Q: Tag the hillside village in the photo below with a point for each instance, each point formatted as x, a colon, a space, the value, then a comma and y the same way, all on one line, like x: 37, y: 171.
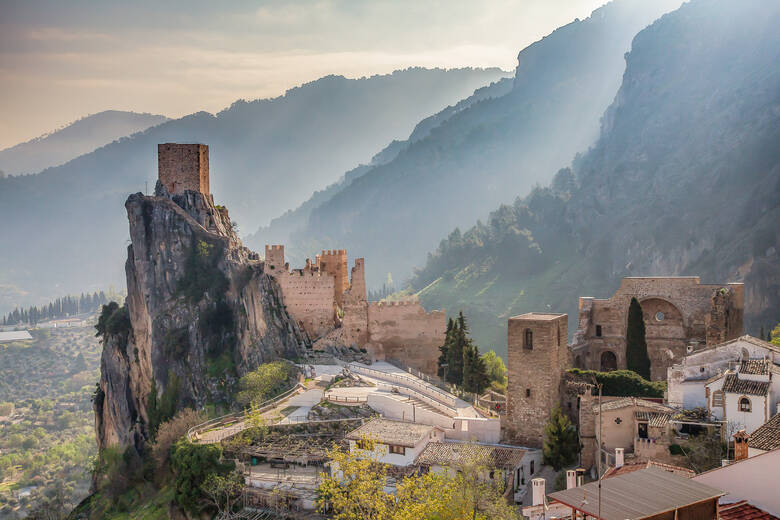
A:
x: 365, y: 377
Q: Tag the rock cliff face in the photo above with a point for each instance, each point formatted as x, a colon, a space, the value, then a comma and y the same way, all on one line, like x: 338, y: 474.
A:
x: 200, y: 312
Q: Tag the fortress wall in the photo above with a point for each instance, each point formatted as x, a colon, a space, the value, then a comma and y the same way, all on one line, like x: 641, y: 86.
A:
x: 405, y: 331
x: 309, y: 299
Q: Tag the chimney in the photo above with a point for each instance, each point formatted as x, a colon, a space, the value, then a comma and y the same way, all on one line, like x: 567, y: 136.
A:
x: 537, y: 486
x: 618, y: 457
x: 741, y: 443
x: 571, y: 478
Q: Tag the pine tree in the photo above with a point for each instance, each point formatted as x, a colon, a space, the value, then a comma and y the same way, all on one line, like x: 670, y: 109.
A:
x: 561, y: 442
x: 637, y: 358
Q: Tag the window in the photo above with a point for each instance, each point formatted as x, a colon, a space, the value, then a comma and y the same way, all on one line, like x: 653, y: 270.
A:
x: 717, y: 398
x: 598, y: 331
x: 528, y: 392
x: 398, y: 450
x: 362, y: 445
x: 744, y: 404
x: 659, y: 316
x: 529, y: 339
x: 642, y: 430
x: 559, y: 336
x: 531, y: 469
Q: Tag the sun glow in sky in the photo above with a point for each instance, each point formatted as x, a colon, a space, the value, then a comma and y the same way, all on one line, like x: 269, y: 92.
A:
x: 61, y: 60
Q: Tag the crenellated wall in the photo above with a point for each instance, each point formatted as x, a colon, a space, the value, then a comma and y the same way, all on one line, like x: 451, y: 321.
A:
x: 333, y: 309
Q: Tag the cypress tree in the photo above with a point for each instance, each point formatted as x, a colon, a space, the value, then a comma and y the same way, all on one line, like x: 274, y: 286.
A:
x: 637, y: 359
x: 456, y: 351
x: 444, y: 349
x: 475, y: 377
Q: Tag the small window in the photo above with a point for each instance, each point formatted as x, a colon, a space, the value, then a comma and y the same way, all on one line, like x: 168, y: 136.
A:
x: 529, y: 339
x: 361, y: 444
x: 659, y: 316
x: 559, y: 336
x: 532, y: 467
x: 398, y: 450
x: 598, y: 331
x: 528, y: 392
x: 744, y: 404
x: 717, y: 398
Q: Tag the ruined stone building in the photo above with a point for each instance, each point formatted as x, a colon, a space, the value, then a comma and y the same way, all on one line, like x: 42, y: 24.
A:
x: 681, y: 316
x: 332, y: 307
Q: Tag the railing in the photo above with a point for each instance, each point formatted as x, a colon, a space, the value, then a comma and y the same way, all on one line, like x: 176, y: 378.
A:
x: 233, y: 423
x: 409, y: 382
x: 345, y: 399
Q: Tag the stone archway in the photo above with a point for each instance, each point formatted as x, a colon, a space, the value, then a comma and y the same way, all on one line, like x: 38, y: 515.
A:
x: 608, y: 361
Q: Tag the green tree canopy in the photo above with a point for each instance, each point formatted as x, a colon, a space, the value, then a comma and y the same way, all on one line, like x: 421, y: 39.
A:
x: 561, y: 442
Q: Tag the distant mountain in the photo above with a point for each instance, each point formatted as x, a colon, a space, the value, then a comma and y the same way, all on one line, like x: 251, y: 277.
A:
x: 486, y: 154
x: 266, y: 156
x: 684, y: 180
x: 282, y: 228
x: 77, y: 138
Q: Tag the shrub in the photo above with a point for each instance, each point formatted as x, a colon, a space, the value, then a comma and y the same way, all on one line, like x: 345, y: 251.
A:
x: 169, y: 432
x: 162, y: 409
x: 676, y: 449
x: 192, y: 464
x: 114, y: 321
x: 268, y: 380
x: 561, y: 444
x: 622, y: 383
x: 202, y: 274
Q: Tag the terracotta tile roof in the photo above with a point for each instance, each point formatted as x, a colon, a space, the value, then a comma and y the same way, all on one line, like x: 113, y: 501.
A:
x: 754, y: 366
x: 492, y: 456
x: 767, y: 437
x: 635, y: 466
x: 743, y: 511
x: 398, y: 433
x: 657, y: 419
x: 734, y: 385
x: 624, y: 402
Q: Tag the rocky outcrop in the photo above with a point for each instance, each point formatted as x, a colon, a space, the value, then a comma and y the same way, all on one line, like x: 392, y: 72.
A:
x: 201, y: 310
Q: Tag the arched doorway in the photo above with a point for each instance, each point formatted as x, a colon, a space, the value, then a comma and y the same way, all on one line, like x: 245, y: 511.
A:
x: 608, y: 361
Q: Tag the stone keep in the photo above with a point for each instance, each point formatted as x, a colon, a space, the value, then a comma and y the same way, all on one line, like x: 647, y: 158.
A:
x: 183, y: 167
x: 538, y: 356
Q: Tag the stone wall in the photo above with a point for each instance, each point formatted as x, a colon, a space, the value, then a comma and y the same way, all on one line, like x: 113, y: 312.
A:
x: 537, y: 356
x: 183, y: 167
x: 680, y: 314
x: 333, y: 309
x: 406, y: 332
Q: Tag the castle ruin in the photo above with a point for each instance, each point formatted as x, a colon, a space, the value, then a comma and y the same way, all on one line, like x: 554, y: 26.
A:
x: 681, y: 316
x: 333, y: 309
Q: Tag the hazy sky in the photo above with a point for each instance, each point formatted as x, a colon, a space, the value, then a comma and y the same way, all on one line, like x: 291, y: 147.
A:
x: 61, y: 60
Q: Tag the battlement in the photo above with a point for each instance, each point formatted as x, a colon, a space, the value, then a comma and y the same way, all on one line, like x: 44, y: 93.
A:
x: 183, y: 167
x: 274, y: 256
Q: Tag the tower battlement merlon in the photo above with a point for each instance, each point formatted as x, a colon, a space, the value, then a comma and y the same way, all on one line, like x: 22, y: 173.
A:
x: 183, y: 167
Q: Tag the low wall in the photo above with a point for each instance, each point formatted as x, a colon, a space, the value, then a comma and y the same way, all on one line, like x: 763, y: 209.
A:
x: 427, y: 389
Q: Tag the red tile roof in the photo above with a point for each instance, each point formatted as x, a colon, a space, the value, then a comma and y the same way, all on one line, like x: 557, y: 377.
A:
x: 635, y: 466
x: 743, y: 511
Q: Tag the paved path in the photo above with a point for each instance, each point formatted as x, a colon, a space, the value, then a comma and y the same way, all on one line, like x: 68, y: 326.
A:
x: 305, y: 402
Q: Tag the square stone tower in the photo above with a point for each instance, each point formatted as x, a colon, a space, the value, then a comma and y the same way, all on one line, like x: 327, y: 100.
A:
x: 334, y: 262
x: 537, y: 356
x: 183, y: 167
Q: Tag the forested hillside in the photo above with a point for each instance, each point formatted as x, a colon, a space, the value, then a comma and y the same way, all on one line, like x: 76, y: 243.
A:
x: 75, y: 139
x: 488, y: 153
x: 684, y: 180
x: 266, y: 156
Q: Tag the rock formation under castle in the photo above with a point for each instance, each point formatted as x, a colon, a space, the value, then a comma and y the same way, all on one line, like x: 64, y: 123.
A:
x: 330, y: 303
x: 681, y: 316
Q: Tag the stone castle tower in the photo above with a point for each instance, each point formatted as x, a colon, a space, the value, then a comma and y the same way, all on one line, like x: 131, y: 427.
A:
x: 334, y: 262
x: 537, y: 358
x: 183, y: 167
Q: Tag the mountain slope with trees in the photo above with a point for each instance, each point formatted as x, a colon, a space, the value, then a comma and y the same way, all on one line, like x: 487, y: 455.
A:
x: 266, y: 156
x: 77, y: 138
x: 684, y: 180
x: 487, y: 154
